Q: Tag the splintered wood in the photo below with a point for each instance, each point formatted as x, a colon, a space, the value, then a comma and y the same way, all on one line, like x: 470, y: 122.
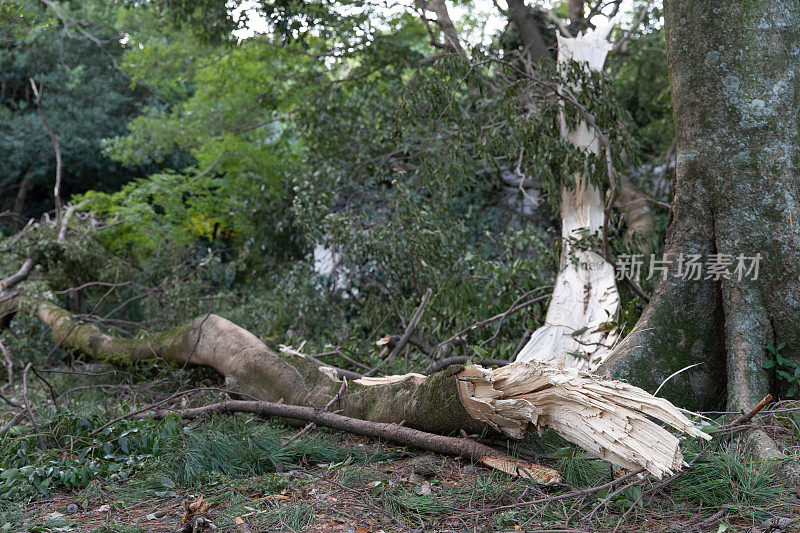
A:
x: 609, y: 419
x: 579, y: 327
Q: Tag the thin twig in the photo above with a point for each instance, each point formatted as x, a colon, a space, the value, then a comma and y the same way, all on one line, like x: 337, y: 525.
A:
x: 27, y: 403
x: 311, y: 425
x: 744, y: 419
x: 412, y: 326
x: 159, y: 403
x: 9, y: 366
x: 489, y: 320
x: 564, y: 496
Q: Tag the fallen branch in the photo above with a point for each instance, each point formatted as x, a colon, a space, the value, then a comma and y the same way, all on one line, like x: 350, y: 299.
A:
x: 564, y: 496
x: 441, y: 364
x: 461, y: 447
x: 392, y: 340
x: 19, y: 276
x: 27, y: 404
x: 11, y: 422
x: 133, y: 414
x: 412, y: 326
x: 744, y: 419
x: 311, y: 425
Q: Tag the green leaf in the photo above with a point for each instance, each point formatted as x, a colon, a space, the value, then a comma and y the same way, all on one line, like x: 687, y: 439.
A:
x: 791, y: 392
x: 769, y: 364
x: 10, y: 473
x: 480, y: 351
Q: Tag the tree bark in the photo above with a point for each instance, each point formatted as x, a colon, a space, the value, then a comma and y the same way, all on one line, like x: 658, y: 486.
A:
x: 575, y: 14
x: 532, y: 39
x: 736, y: 93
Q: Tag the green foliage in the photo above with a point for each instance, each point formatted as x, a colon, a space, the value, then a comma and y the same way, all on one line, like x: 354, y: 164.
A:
x: 785, y: 369
x: 333, y: 129
x: 729, y: 478
x: 642, y: 84
x: 84, y: 99
x: 164, y: 454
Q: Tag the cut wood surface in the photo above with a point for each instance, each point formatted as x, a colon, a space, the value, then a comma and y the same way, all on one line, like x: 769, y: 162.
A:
x: 609, y: 419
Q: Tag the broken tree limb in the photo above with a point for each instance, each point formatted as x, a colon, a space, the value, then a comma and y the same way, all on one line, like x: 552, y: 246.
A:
x: 462, y: 447
x: 17, y: 277
x: 412, y: 326
x: 578, y: 327
x: 609, y: 419
x: 340, y: 372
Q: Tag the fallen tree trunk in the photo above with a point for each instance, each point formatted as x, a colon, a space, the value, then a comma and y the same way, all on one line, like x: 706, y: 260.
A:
x: 609, y: 419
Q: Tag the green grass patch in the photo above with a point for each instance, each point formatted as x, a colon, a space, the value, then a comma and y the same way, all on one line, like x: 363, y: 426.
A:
x: 729, y: 478
x: 162, y: 454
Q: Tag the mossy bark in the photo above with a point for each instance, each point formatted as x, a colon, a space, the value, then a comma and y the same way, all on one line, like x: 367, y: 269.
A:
x: 735, y: 76
x: 432, y: 404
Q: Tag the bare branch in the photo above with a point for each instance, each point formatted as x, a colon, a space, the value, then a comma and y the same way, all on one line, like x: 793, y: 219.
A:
x: 37, y: 91
x: 18, y: 277
x: 557, y: 21
x: 27, y: 403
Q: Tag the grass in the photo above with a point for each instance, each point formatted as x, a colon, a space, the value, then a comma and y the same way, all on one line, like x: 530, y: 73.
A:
x: 581, y: 472
x: 729, y: 478
x: 241, y: 463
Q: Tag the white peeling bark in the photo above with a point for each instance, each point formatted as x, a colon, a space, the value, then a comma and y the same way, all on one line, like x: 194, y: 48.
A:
x: 578, y: 329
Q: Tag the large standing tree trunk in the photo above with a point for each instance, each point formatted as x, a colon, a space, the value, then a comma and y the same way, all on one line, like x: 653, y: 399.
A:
x: 735, y: 75
x: 735, y: 83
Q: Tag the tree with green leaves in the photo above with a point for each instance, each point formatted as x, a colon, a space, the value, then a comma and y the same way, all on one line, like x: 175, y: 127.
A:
x: 385, y: 135
x: 84, y: 99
